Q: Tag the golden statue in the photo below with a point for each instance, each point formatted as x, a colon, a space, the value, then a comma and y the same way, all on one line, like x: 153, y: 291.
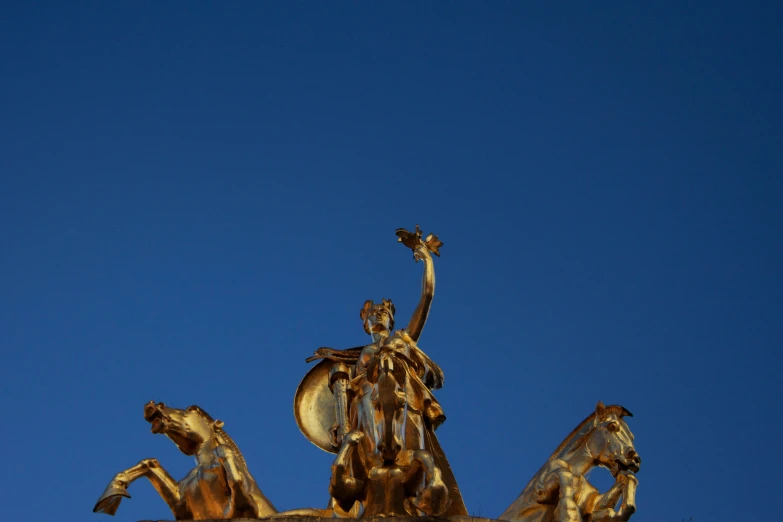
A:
x: 219, y: 487
x: 560, y: 490
x: 373, y: 469
x: 335, y: 397
x: 374, y: 407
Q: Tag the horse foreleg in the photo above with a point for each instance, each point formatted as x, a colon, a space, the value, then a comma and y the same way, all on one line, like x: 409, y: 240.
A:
x: 603, y: 511
x: 628, y: 507
x: 348, y: 476
x: 247, y: 497
x: 433, y: 497
x: 163, y: 483
x: 625, y: 488
x: 242, y: 503
x: 565, y: 483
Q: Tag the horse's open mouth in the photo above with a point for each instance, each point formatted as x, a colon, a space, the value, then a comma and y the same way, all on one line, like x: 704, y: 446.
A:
x: 622, y: 466
x: 158, y: 422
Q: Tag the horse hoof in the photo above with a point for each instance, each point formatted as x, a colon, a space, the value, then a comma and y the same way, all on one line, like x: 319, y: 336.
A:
x: 110, y: 500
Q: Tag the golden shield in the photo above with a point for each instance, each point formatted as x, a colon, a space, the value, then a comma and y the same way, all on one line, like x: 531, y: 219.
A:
x: 314, y: 406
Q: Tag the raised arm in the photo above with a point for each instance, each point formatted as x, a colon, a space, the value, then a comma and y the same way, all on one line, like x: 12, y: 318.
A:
x: 422, y: 249
x: 419, y: 318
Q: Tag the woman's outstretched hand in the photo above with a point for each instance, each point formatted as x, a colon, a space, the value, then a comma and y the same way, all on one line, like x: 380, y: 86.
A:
x: 421, y: 247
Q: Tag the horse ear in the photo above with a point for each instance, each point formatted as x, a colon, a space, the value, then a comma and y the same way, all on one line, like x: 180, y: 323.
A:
x: 600, y: 409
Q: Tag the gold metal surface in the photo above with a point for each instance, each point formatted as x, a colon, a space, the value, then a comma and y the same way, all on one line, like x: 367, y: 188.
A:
x: 339, y: 376
x: 560, y: 490
x: 315, y: 407
x: 374, y: 471
x: 219, y: 487
x: 318, y: 413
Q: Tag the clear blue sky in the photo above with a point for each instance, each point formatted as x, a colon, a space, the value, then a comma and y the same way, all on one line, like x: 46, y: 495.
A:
x: 196, y: 196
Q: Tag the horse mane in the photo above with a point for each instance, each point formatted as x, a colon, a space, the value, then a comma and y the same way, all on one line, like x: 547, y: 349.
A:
x: 223, y: 437
x: 613, y: 409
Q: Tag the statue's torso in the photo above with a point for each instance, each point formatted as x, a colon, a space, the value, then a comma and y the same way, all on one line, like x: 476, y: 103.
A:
x: 418, y: 396
x: 421, y: 401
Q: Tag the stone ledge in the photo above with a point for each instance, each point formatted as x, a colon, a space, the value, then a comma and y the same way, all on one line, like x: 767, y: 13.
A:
x: 300, y: 518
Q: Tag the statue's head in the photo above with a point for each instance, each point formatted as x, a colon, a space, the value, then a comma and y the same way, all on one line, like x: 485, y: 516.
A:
x: 378, y: 317
x: 612, y: 441
x: 188, y: 429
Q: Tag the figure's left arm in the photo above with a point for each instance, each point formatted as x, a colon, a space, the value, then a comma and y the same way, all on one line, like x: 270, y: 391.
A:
x: 423, y: 248
x: 419, y: 318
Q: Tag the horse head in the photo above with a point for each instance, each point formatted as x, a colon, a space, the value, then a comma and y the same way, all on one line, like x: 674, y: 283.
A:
x: 388, y: 375
x: 189, y: 429
x: 611, y: 441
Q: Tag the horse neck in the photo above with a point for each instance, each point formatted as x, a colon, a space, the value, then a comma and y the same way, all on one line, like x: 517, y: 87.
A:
x: 579, y: 459
x: 575, y: 449
x: 205, y: 454
x: 223, y: 438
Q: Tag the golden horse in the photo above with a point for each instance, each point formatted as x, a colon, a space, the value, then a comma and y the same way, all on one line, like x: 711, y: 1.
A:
x: 560, y: 490
x: 375, y: 474
x: 219, y: 487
